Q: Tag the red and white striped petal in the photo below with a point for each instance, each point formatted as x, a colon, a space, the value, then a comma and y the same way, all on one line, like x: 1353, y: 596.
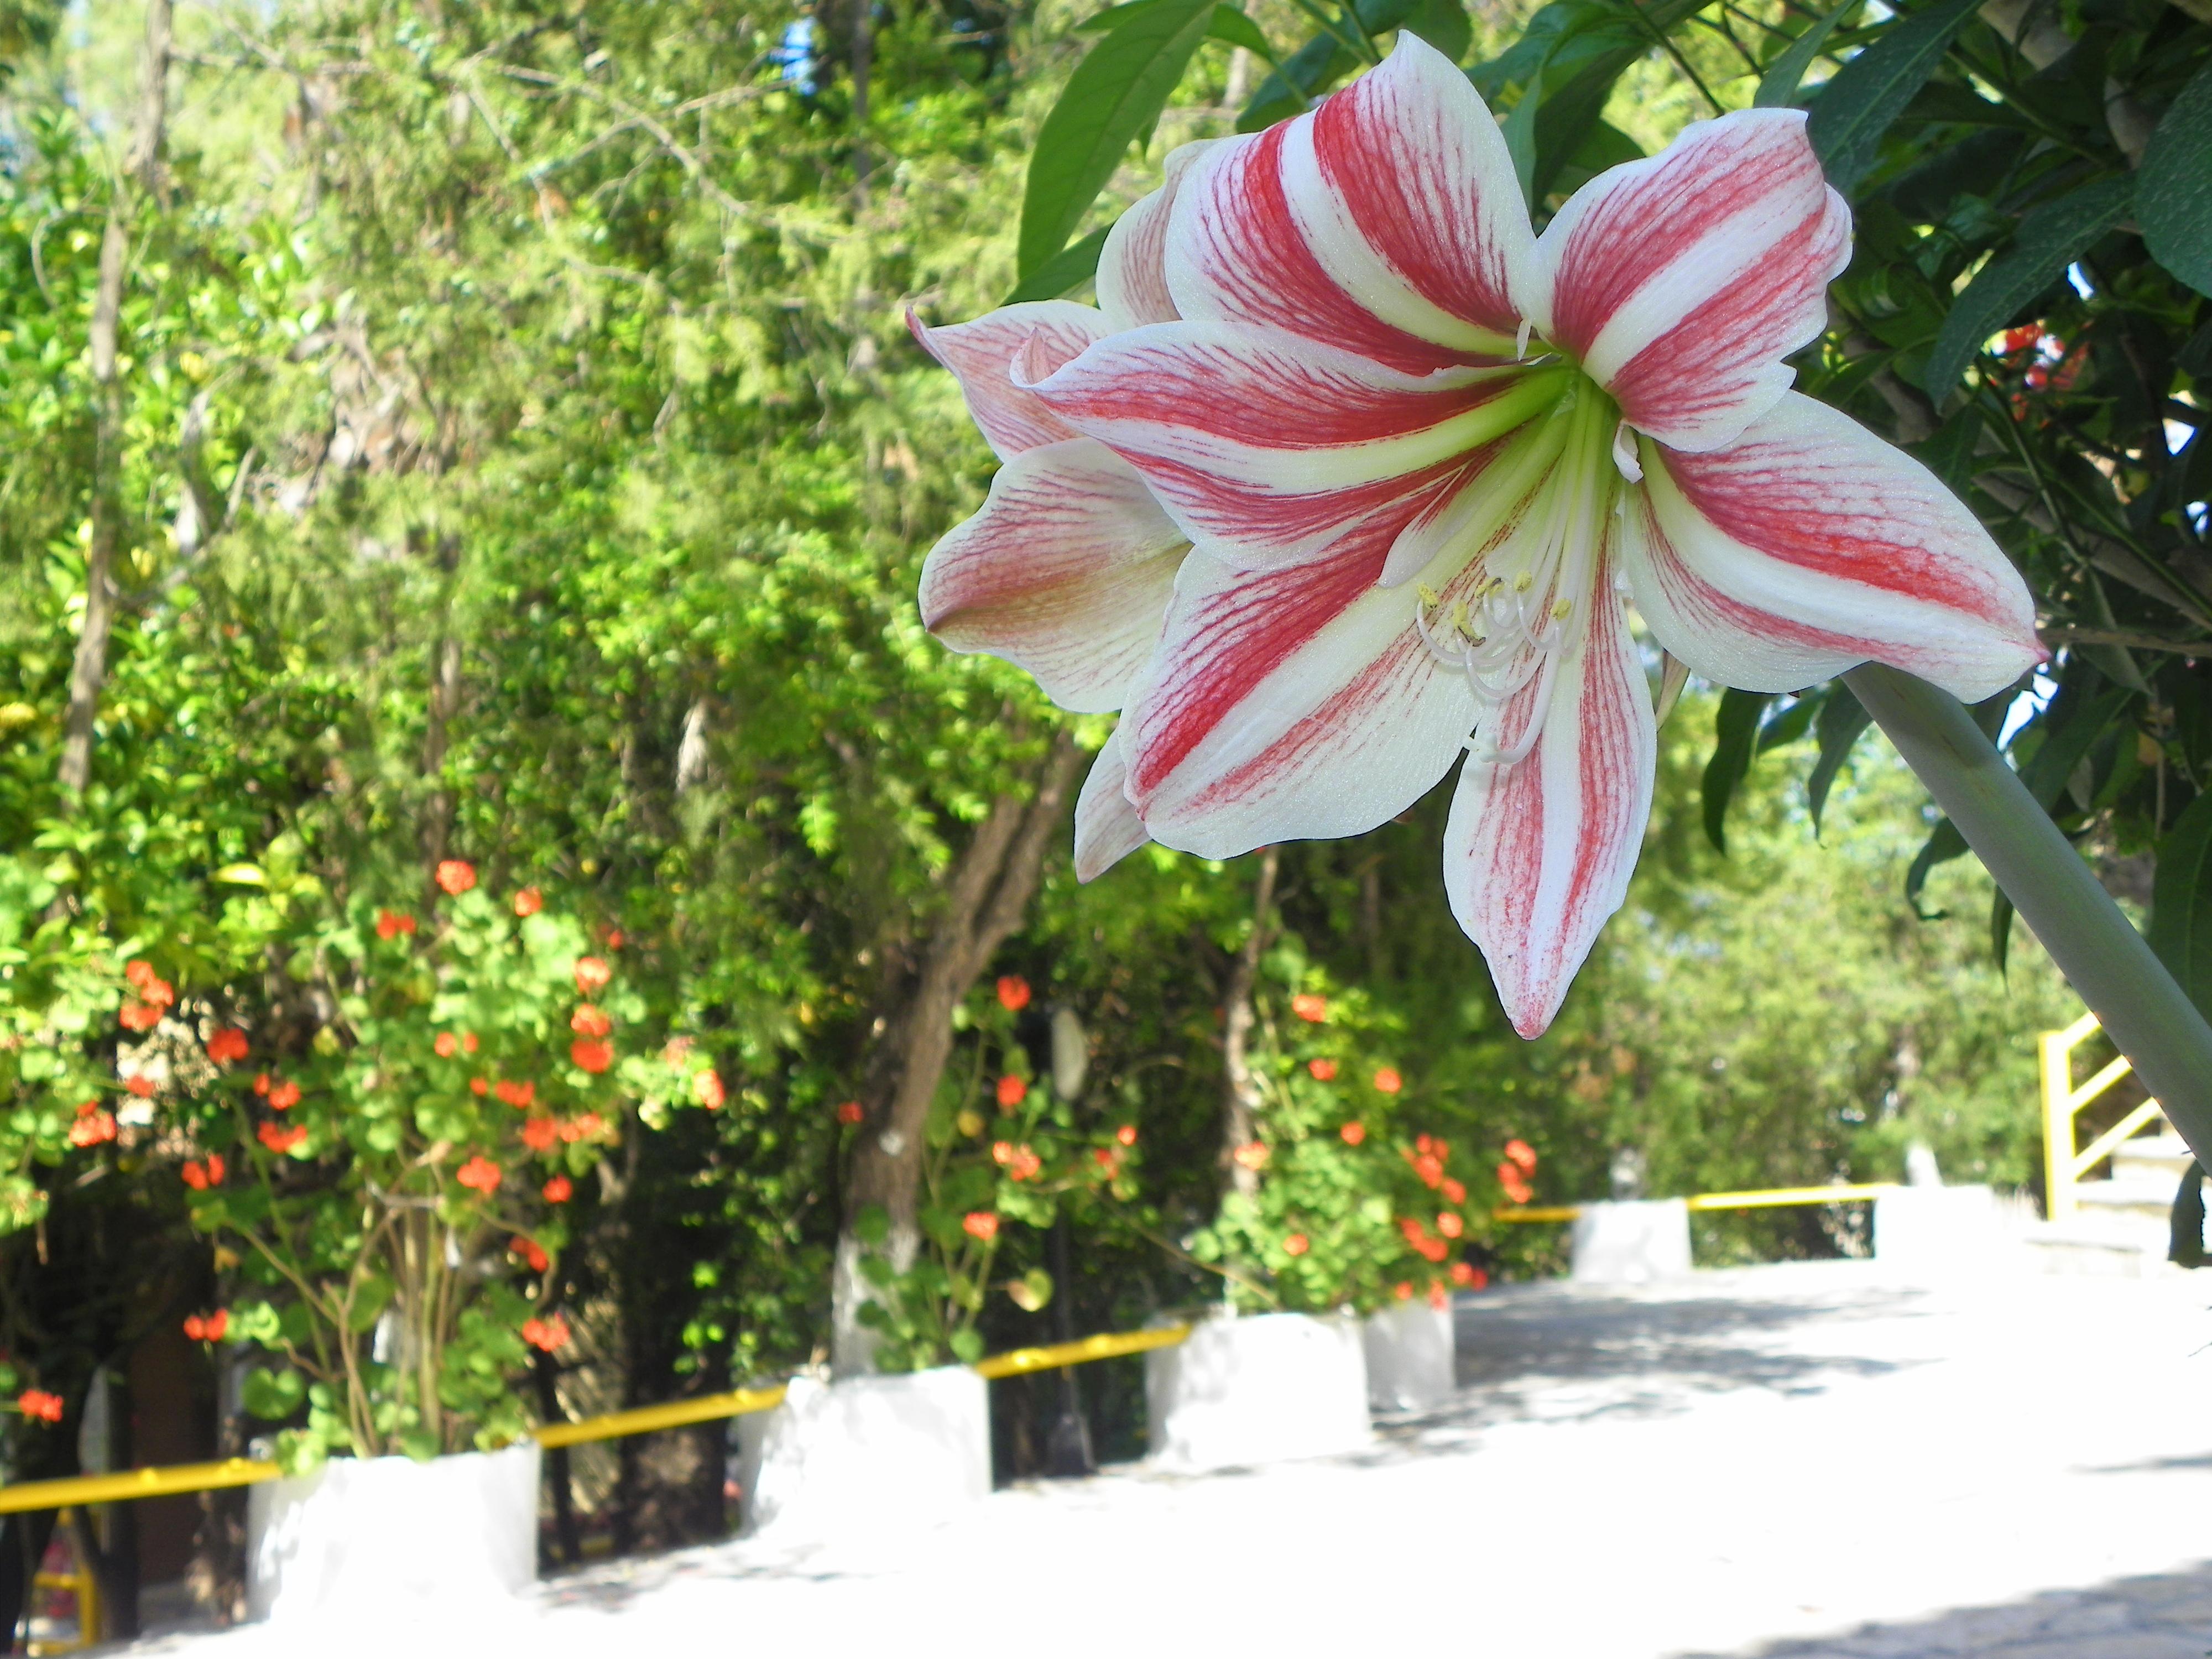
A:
x: 1285, y: 705
x: 1270, y: 450
x: 1681, y: 282
x: 1067, y: 571
x: 1809, y: 546
x: 1107, y: 828
x: 1538, y: 853
x: 1132, y: 276
x: 981, y: 356
x: 1387, y: 222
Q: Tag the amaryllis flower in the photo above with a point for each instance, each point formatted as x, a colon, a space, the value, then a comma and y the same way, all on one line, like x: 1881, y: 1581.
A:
x: 1426, y: 458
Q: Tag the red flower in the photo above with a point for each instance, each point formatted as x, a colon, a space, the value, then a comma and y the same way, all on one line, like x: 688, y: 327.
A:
x: 1515, y: 1188
x: 592, y: 975
x: 208, y: 1328
x: 1018, y: 1161
x: 278, y: 1139
x: 214, y: 1168
x: 1389, y: 1081
x: 141, y: 976
x: 517, y: 1094
x: 547, y: 1334
x: 226, y: 1045
x: 467, y: 1042
x: 539, y: 1133
x: 140, y: 1085
x: 1296, y: 1244
x: 981, y: 1224
x: 1127, y: 1135
x: 479, y: 1086
x: 391, y: 924
x: 613, y: 937
x: 140, y: 1015
x: 531, y: 1251
x: 707, y: 1087
x: 1107, y: 1159
x: 38, y: 1404
x: 559, y: 1189
x: 92, y: 1126
x: 1453, y: 1192
x: 1467, y: 1276
x: 1520, y: 1152
x: 1353, y: 1133
x: 283, y: 1096
x: 1324, y: 1071
x: 445, y: 1045
x: 582, y: 1128
x: 1311, y: 1008
x: 261, y: 1083
x: 849, y: 1112
x: 1450, y: 1224
x: 1011, y: 1093
x: 481, y: 1173
x: 1253, y: 1155
x: 588, y: 1021
x: 194, y: 1176
x: 1431, y: 1168
x: 594, y: 1057
x: 1014, y: 993
x: 456, y: 877
x: 1434, y: 1248
x: 529, y: 901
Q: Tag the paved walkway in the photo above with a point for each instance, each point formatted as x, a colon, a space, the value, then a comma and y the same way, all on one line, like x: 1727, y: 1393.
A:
x: 1807, y: 1461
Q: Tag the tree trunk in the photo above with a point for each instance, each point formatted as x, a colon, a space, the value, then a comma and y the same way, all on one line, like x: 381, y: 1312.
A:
x: 988, y: 891
x: 88, y: 671
x: 445, y: 703
x: 1240, y: 1095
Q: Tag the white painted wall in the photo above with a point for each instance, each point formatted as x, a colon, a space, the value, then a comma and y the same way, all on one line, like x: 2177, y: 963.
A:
x: 1412, y: 1356
x: 865, y: 1453
x: 1642, y: 1241
x: 1258, y: 1389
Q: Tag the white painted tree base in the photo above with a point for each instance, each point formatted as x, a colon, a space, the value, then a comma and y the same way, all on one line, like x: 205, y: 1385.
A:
x: 1939, y: 1229
x: 866, y: 1454
x: 1255, y: 1390
x: 377, y: 1538
x: 1642, y: 1241
x: 1412, y: 1356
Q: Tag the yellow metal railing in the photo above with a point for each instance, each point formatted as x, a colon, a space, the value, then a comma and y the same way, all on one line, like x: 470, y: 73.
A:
x: 79, y: 1583
x: 2063, y: 1166
x: 1765, y: 1198
x: 646, y: 1420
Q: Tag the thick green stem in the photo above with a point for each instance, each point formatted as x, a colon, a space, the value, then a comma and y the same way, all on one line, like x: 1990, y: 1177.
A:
x: 2097, y: 948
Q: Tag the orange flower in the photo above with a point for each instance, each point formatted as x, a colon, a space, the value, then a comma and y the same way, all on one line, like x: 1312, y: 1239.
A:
x: 1011, y: 1093
x: 582, y: 1128
x: 1522, y: 1154
x: 150, y: 985
x: 1450, y: 1224
x: 194, y: 1176
x: 1515, y: 1188
x: 707, y: 1089
x: 456, y: 877
x: 531, y: 1251
x: 478, y: 1085
x: 1434, y: 1248
x: 226, y: 1045
x: 1431, y: 1168
x: 1297, y: 1244
x: 547, y: 1334
x: 1353, y: 1133
x: 1439, y: 1298
x: 1324, y: 1071
x: 261, y: 1083
x: 1403, y: 1291
x: 38, y: 1404
x: 283, y: 1096
x: 140, y: 1015
x: 1107, y: 1159
x: 529, y: 901
x: 467, y: 1042
x: 539, y: 1133
x: 445, y: 1045
x: 594, y: 1057
x: 1014, y: 994
x: 141, y: 975
x: 391, y: 924
x: 214, y: 1168
x: 588, y: 1021
x: 981, y: 1224
x: 1389, y: 1081
x: 1454, y: 1193
x: 1311, y: 1008
x: 559, y: 1190
x: 1252, y: 1155
x: 849, y: 1112
x: 1127, y: 1135
x: 592, y: 975
x: 140, y: 1084
x: 207, y: 1327
x: 1467, y: 1276
x: 613, y: 938
x: 481, y: 1173
x: 1413, y: 1230
x: 92, y: 1126
x: 1018, y: 1161
x: 278, y: 1139
x: 517, y: 1094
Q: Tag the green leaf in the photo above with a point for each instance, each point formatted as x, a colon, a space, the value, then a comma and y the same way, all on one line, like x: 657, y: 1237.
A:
x: 2050, y: 239
x: 872, y: 1226
x: 272, y: 1395
x: 1444, y: 25
x: 1735, y: 732
x: 1117, y: 92
x: 2000, y: 928
x: 1856, y: 107
x: 1072, y: 266
x: 1943, y: 844
x: 1114, y: 16
x: 1778, y: 88
x: 2174, y: 200
x: 1286, y: 92
x: 241, y: 875
x: 1233, y: 25
x: 2181, y: 902
x: 966, y: 1346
